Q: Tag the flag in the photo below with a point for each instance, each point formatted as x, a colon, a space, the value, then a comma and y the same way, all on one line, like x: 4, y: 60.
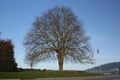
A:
x: 98, y: 51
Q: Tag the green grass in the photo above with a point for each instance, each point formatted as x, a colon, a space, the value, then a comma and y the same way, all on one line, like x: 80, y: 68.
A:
x: 37, y: 74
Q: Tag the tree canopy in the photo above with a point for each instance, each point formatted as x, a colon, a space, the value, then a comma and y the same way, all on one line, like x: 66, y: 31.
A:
x: 58, y: 34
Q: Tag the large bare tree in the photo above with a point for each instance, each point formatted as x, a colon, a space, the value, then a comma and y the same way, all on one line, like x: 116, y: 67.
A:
x: 57, y: 34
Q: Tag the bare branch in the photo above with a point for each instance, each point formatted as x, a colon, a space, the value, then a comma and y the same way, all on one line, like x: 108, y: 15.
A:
x: 58, y: 32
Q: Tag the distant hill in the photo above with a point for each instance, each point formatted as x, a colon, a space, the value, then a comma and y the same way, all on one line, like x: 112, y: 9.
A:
x: 106, y: 67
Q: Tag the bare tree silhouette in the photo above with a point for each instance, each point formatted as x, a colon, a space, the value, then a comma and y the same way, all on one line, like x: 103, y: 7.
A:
x: 58, y: 34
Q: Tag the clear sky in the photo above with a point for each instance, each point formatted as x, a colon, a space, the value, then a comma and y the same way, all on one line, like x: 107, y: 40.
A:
x: 101, y: 19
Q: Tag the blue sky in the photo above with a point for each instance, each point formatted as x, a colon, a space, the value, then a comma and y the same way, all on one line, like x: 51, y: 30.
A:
x: 101, y: 19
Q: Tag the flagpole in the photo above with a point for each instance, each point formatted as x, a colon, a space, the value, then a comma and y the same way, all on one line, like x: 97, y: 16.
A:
x: 92, y: 58
x: 98, y: 52
x: 100, y: 69
x: 0, y: 35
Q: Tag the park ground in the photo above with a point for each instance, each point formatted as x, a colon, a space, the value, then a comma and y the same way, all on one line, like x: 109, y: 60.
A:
x: 44, y: 74
x: 110, y: 77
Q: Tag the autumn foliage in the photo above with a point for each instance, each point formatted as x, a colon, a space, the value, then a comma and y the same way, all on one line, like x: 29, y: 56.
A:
x: 7, y: 60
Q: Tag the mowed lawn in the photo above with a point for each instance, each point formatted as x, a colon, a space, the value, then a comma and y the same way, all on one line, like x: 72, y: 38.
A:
x: 40, y: 74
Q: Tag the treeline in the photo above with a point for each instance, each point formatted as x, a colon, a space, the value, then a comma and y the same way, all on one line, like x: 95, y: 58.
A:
x: 46, y: 70
x: 28, y: 69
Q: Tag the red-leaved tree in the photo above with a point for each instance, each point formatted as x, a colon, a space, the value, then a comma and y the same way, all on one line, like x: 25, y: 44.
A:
x: 7, y: 60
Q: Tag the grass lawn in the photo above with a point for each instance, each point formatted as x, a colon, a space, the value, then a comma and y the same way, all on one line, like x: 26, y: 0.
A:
x: 39, y: 74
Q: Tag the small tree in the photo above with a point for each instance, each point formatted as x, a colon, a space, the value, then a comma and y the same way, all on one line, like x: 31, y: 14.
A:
x: 58, y: 34
x: 31, y: 60
x: 7, y: 60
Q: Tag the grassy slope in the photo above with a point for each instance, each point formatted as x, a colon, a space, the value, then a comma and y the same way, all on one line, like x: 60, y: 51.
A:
x: 35, y: 74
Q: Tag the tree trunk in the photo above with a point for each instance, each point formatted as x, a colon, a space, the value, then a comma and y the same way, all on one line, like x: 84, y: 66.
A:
x: 60, y: 61
x: 31, y: 64
x: 60, y: 65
